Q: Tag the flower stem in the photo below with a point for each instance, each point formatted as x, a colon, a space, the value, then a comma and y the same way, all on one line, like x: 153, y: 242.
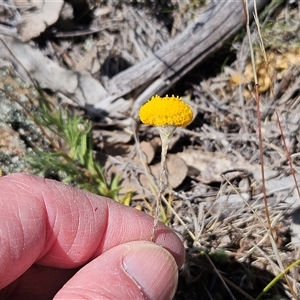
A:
x: 166, y: 133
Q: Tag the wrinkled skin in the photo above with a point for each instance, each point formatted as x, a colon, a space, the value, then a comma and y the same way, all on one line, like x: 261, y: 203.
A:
x: 63, y: 243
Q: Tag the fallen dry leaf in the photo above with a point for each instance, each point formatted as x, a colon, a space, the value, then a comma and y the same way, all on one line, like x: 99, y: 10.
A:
x: 116, y: 137
x: 238, y: 79
x: 177, y: 170
x: 212, y: 164
x: 277, y: 66
x: 148, y: 149
x: 89, y: 63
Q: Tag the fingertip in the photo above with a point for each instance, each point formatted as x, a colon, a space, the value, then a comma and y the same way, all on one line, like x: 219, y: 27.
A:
x: 153, y: 269
x: 170, y: 241
x: 135, y: 270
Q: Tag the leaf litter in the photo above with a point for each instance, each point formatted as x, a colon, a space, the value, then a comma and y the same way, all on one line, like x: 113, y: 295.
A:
x: 213, y: 165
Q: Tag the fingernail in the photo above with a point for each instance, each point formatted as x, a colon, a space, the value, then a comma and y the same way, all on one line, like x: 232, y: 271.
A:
x: 153, y: 269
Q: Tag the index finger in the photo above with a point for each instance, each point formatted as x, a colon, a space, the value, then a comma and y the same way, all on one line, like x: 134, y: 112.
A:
x: 55, y: 225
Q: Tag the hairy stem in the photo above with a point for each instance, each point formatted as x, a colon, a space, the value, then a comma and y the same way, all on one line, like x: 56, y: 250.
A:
x: 166, y: 133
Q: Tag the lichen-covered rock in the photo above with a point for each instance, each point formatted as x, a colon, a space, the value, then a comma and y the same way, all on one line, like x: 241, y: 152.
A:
x: 18, y: 132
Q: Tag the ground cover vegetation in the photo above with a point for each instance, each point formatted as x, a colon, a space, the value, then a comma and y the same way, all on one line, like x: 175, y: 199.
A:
x: 233, y: 172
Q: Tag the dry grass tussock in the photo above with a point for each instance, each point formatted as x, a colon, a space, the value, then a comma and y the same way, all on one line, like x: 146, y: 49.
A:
x: 228, y: 217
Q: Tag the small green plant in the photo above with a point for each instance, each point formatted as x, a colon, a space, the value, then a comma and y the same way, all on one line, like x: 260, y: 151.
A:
x: 73, y: 159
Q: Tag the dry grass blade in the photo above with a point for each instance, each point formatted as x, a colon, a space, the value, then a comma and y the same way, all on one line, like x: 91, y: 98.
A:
x: 275, y: 249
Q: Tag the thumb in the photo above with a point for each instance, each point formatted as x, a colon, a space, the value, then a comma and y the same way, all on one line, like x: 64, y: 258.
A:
x: 135, y: 270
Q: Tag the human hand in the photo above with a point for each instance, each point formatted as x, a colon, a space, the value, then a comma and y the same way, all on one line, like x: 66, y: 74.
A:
x: 63, y: 243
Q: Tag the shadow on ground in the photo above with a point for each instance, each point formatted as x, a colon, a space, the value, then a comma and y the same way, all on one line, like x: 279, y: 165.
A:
x: 198, y: 279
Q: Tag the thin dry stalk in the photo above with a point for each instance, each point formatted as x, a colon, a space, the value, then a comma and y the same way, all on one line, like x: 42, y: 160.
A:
x: 257, y: 98
x: 258, y: 118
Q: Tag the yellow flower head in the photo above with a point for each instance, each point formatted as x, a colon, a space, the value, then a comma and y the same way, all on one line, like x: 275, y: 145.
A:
x: 165, y: 111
